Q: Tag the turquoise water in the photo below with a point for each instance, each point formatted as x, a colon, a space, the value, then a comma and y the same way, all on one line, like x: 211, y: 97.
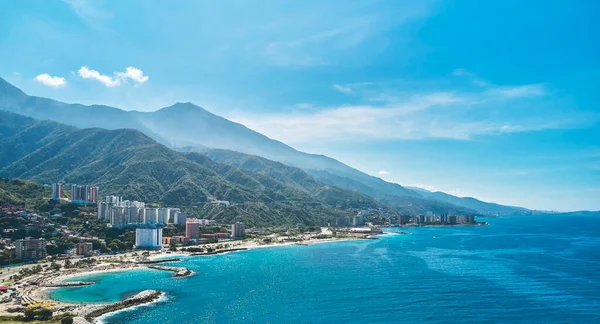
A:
x: 518, y: 270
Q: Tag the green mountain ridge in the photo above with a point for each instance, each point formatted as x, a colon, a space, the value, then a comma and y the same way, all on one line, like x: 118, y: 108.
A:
x: 129, y: 163
x: 185, y: 124
x: 292, y: 175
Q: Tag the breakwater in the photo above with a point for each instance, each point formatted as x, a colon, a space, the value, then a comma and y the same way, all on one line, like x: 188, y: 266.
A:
x: 68, y: 284
x: 177, y: 272
x: 144, y: 297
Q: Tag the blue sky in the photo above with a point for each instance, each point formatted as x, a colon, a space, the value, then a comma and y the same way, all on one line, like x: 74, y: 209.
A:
x: 492, y: 99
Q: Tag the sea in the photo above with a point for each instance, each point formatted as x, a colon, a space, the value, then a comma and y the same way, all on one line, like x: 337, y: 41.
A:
x: 534, y: 269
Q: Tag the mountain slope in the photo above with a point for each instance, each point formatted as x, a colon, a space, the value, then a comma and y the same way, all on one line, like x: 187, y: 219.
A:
x: 475, y: 204
x: 185, y: 124
x: 312, y: 182
x: 130, y: 164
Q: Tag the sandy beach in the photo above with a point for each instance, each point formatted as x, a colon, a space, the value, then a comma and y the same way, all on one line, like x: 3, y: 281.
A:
x: 37, y: 292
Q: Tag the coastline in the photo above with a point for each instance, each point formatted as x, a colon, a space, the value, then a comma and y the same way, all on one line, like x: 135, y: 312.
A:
x: 81, y: 310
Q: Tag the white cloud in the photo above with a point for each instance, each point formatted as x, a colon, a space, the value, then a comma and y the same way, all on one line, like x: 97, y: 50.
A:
x: 342, y: 89
x: 136, y: 75
x: 395, y: 114
x: 90, y: 12
x: 51, y: 81
x: 471, y: 76
x: 383, y: 172
x: 86, y: 73
x: 528, y: 90
x: 131, y: 73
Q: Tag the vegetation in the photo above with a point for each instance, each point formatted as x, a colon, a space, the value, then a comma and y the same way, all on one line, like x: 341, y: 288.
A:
x: 22, y: 192
x: 130, y: 164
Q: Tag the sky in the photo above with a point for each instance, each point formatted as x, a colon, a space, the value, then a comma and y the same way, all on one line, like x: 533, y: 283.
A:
x: 497, y: 100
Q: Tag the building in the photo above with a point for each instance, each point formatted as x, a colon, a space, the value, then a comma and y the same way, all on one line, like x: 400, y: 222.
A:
x: 82, y: 195
x: 84, y: 248
x: 342, y: 221
x: 172, y: 212
x: 148, y: 237
x: 175, y: 240
x: 118, y: 216
x: 192, y: 228
x: 163, y: 216
x: 93, y: 195
x: 358, y: 220
x: 403, y: 219
x: 238, y: 231
x: 179, y: 218
x: 56, y: 191
x: 30, y: 249
x: 151, y: 216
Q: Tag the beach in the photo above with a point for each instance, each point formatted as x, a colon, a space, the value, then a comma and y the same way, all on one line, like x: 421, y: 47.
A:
x: 36, y: 290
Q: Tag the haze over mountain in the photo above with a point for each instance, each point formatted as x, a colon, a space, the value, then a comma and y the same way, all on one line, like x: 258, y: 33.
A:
x: 185, y: 124
x: 128, y: 163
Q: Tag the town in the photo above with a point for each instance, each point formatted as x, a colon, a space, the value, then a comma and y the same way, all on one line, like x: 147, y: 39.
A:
x: 146, y: 225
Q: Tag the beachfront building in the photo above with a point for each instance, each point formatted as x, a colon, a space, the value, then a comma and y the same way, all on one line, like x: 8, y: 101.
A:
x: 163, y: 216
x: 358, y: 220
x: 84, y: 248
x: 30, y: 249
x: 148, y: 237
x: 192, y: 228
x: 118, y: 217
x: 179, y: 218
x: 151, y: 216
x: 56, y: 191
x: 172, y: 212
x: 168, y: 240
x: 238, y: 231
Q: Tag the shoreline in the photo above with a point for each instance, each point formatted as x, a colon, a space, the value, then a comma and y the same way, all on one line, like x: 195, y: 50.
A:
x: 81, y: 310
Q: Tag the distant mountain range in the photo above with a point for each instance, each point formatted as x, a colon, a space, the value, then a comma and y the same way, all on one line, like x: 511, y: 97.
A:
x: 194, y: 129
x: 128, y: 163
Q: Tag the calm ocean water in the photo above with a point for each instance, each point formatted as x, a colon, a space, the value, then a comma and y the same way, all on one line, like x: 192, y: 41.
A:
x: 518, y: 270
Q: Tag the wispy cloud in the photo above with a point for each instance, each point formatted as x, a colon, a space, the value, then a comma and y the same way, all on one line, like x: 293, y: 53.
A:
x: 528, y: 90
x: 383, y: 172
x: 90, y: 12
x: 457, y: 115
x: 471, y: 76
x: 325, y: 34
x: 51, y: 81
x: 342, y: 89
x: 135, y: 75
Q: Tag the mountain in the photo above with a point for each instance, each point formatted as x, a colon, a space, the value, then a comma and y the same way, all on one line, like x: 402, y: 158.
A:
x: 483, y: 207
x: 16, y: 101
x: 185, y: 124
x: 306, y: 180
x: 129, y: 163
x: 17, y: 191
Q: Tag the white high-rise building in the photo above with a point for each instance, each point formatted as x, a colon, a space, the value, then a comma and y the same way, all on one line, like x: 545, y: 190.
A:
x: 118, y: 217
x: 56, y: 191
x: 172, y: 215
x: 163, y: 216
x: 179, y: 218
x: 151, y: 216
x: 148, y: 237
x: 238, y: 231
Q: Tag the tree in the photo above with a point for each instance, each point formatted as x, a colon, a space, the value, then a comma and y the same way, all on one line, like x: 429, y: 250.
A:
x: 44, y: 314
x: 66, y: 320
x: 172, y: 246
x: 29, y: 314
x: 55, y: 266
x: 68, y: 264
